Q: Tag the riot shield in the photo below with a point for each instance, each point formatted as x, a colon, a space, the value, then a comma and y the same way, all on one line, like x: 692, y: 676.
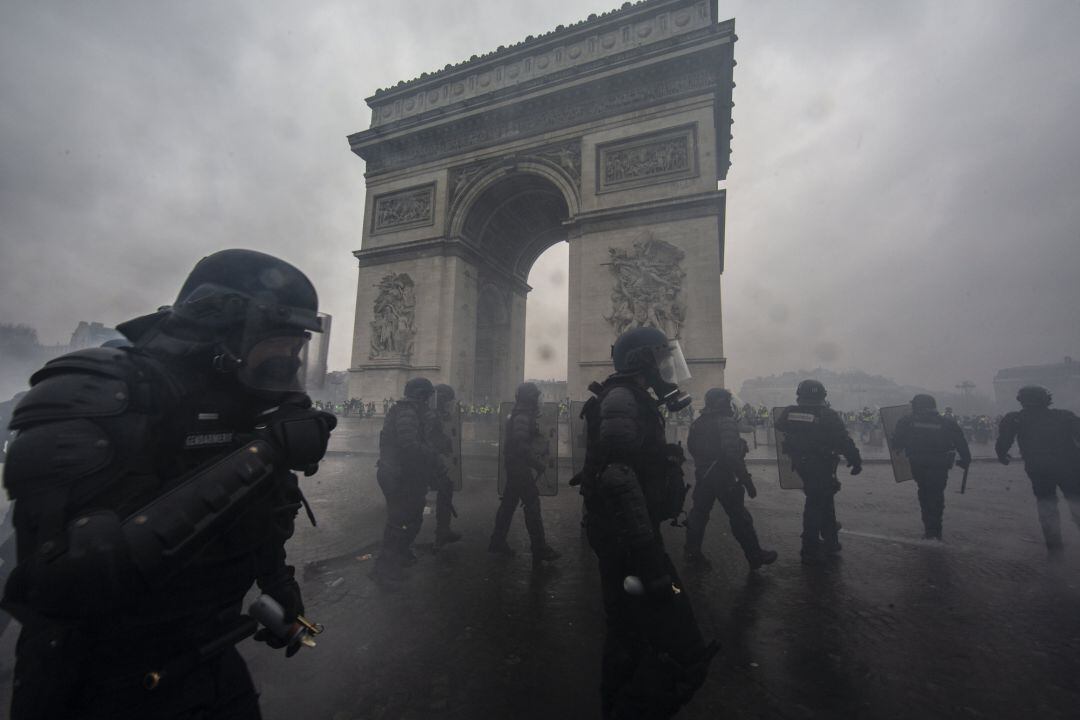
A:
x: 577, y: 437
x: 901, y: 466
x: 545, y: 445
x: 789, y: 479
x: 452, y: 428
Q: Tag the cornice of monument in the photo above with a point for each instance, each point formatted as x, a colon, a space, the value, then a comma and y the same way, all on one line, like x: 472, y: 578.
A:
x: 433, y: 247
x: 634, y: 25
x: 587, y: 100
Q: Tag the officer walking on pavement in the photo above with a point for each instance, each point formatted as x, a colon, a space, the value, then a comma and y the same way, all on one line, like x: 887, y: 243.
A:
x: 523, y: 466
x: 931, y: 442
x: 654, y: 658
x: 152, y: 488
x: 440, y: 433
x: 720, y: 473
x: 1049, y: 441
x: 407, y: 466
x: 815, y: 438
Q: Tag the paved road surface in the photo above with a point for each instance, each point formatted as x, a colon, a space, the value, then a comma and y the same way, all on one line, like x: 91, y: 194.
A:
x: 979, y: 626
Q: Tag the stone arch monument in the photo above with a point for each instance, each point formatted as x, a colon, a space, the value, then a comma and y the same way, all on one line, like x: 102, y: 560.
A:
x: 611, y: 135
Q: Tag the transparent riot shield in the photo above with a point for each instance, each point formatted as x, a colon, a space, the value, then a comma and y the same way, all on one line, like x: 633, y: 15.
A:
x: 452, y: 428
x: 789, y: 479
x: 577, y: 437
x: 545, y: 445
x: 901, y: 466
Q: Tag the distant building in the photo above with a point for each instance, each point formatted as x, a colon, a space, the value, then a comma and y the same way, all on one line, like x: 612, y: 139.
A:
x: 850, y: 390
x: 551, y: 390
x: 854, y: 390
x: 1061, y: 379
x: 91, y: 334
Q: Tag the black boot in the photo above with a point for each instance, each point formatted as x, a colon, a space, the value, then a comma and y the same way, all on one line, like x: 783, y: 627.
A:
x: 762, y: 557
x: 445, y: 536
x: 696, y: 559
x: 500, y: 547
x: 544, y: 553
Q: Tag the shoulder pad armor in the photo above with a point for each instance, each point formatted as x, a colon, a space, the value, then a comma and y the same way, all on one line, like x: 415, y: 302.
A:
x: 54, y: 454
x: 91, y: 383
x: 109, y: 362
x: 620, y: 401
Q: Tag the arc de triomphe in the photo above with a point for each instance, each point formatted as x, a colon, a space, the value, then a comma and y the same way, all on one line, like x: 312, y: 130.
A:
x: 611, y: 135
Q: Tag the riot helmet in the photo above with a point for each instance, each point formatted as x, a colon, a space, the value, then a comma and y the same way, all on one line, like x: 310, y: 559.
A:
x: 1034, y: 396
x: 527, y: 394
x: 444, y: 395
x: 810, y: 392
x: 257, y: 312
x: 648, y: 351
x: 719, y: 399
x: 419, y: 389
x: 922, y: 403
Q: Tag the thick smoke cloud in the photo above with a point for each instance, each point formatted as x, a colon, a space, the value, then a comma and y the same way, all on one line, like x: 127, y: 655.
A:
x: 902, y: 198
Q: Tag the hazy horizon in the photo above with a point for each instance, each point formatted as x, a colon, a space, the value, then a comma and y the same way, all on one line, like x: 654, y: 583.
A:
x: 902, y: 199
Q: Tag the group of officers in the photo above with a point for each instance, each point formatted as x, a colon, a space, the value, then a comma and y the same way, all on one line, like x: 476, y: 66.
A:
x: 154, y: 484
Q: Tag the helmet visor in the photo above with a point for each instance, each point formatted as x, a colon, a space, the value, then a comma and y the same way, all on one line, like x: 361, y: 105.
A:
x: 273, y: 363
x: 671, y: 363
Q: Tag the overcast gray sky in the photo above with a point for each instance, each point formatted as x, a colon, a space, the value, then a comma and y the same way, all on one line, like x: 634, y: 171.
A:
x: 905, y: 195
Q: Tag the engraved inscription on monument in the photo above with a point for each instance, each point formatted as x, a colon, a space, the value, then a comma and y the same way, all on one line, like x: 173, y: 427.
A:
x: 648, y: 287
x: 405, y: 209
x: 644, y: 160
x: 392, y: 330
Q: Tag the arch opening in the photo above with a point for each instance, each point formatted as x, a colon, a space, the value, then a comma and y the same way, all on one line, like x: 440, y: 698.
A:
x: 511, y: 222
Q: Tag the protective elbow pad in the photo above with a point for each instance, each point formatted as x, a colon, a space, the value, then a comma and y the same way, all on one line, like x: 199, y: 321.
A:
x: 88, y: 571
x: 166, y: 534
x: 622, y: 493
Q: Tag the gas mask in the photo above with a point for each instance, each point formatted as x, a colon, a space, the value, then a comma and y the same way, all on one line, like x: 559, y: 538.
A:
x: 670, y: 370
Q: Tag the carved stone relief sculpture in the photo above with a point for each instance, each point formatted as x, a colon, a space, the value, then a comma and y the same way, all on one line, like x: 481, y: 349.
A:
x: 401, y: 210
x: 654, y: 158
x: 392, y: 330
x: 648, y: 287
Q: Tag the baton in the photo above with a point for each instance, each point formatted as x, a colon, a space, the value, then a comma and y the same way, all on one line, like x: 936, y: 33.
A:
x: 963, y: 483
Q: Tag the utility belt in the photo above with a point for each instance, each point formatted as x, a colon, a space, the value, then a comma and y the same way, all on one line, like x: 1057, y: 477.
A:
x: 816, y: 459
x: 934, y: 461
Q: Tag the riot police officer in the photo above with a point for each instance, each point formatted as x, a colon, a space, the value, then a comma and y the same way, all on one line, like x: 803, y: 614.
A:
x: 815, y: 437
x: 720, y: 471
x: 654, y: 658
x: 931, y: 442
x: 408, y: 464
x: 152, y: 488
x: 442, y: 439
x: 1050, y: 445
x: 523, y: 466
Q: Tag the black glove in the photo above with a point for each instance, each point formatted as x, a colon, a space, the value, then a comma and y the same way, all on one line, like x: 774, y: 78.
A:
x: 286, y: 591
x: 300, y: 433
x: 748, y: 483
x: 856, y: 468
x: 1004, y: 459
x: 654, y: 574
x: 963, y: 464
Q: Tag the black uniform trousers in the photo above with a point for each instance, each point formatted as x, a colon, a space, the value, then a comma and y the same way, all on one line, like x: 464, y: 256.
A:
x: 654, y: 656
x: 819, y: 512
x: 520, y: 488
x: 1047, y: 476
x: 931, y: 483
x: 722, y: 487
x: 404, y: 515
